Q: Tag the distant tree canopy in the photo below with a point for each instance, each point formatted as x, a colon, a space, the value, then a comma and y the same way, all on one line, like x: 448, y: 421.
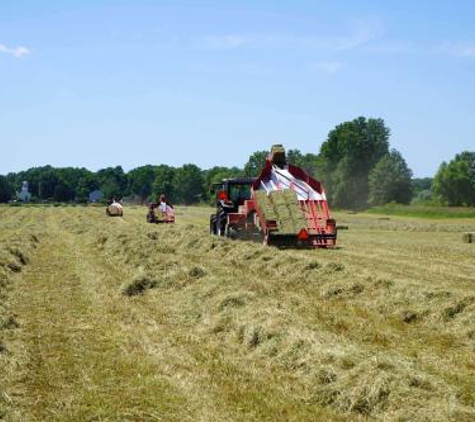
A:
x: 311, y: 163
x: 189, y: 184
x: 140, y: 181
x: 255, y: 164
x: 390, y: 180
x: 112, y: 182
x: 6, y: 190
x: 355, y: 164
x: 421, y: 184
x: 422, y: 190
x: 164, y: 183
x: 348, y: 155
x: 60, y: 184
x: 454, y: 183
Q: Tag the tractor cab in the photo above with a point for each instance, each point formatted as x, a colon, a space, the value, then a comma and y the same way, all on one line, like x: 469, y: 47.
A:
x: 230, y: 195
x: 233, y: 192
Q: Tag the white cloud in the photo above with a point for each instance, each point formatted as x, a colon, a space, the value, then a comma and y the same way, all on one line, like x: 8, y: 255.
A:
x: 394, y: 47
x: 229, y: 41
x: 329, y: 67
x: 15, y: 51
x: 458, y: 49
x: 359, y: 34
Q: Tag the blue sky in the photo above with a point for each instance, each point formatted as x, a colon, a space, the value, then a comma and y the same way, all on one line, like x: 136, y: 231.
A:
x: 96, y: 83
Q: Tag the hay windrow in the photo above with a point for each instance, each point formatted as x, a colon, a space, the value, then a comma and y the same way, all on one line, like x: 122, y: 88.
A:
x: 380, y: 329
x: 346, y: 377
x: 140, y: 285
x: 18, y: 240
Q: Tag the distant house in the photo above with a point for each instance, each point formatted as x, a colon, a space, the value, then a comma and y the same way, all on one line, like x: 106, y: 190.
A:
x: 96, y: 196
x: 24, y: 195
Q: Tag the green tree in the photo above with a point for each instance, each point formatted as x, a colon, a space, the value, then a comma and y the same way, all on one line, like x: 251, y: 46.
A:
x: 43, y: 184
x: 255, y: 164
x: 295, y: 157
x: 164, y: 183
x: 189, y: 184
x: 422, y: 190
x: 421, y: 184
x: 6, y: 190
x: 85, y: 185
x: 63, y: 192
x: 351, y: 150
x: 423, y: 197
x: 390, y: 180
x: 75, y: 181
x: 348, y: 188
x: 454, y: 183
x: 141, y: 181
x: 310, y: 163
x: 112, y: 182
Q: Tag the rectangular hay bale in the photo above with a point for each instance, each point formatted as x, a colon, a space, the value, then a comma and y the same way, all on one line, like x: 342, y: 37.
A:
x: 283, y: 207
x: 469, y: 237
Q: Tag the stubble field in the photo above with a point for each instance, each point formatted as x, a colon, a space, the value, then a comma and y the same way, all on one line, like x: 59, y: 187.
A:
x: 117, y: 320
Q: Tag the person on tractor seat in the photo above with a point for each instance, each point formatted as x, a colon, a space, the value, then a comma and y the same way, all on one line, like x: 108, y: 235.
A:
x: 165, y: 206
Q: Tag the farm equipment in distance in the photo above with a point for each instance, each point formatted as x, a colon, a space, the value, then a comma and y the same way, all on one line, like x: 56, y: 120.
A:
x: 284, y: 207
x: 115, y: 209
x: 160, y: 213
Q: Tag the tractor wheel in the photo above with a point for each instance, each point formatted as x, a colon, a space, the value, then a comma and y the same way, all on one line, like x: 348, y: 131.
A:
x: 231, y: 232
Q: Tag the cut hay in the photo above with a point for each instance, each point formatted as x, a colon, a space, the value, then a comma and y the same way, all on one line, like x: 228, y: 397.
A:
x: 381, y: 329
x: 140, y: 285
x: 197, y: 272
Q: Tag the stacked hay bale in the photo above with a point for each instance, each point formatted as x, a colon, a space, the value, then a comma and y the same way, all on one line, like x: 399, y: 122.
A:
x: 283, y: 207
x: 469, y: 237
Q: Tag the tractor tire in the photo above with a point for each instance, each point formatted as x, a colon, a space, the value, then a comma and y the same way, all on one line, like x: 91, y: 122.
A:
x: 231, y: 232
x: 151, y: 217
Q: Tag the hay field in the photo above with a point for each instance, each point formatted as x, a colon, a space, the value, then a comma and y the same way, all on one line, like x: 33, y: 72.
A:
x: 117, y: 320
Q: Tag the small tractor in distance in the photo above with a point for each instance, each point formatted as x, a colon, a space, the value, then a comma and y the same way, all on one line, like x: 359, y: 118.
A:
x: 160, y: 213
x: 283, y: 207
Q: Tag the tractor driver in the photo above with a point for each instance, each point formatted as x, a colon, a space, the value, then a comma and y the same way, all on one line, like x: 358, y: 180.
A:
x: 165, y: 206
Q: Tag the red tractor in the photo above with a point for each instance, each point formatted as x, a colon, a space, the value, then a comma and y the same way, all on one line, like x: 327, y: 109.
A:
x: 284, y: 207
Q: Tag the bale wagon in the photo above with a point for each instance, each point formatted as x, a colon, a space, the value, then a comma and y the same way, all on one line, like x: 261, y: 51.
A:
x: 284, y: 207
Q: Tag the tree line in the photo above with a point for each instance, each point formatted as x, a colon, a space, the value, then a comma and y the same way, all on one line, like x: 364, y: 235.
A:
x: 356, y: 164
